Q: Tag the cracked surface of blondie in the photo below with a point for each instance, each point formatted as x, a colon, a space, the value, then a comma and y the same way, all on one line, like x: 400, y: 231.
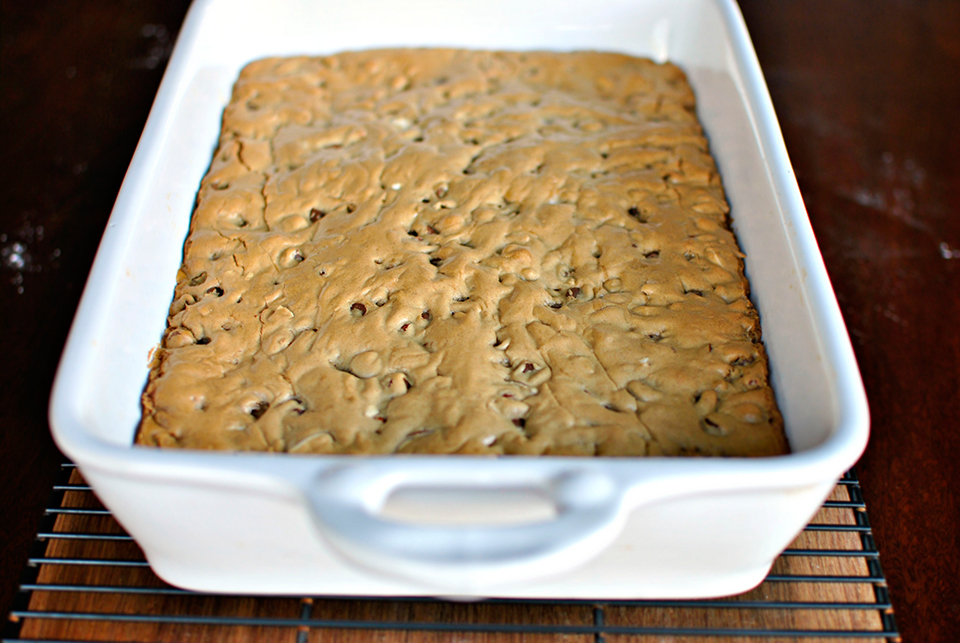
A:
x: 449, y: 251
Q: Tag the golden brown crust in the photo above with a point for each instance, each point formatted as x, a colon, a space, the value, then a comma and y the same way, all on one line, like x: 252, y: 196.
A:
x: 447, y: 251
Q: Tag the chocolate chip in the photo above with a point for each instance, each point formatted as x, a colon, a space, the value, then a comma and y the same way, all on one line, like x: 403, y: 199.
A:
x: 528, y: 367
x: 573, y: 292
x: 413, y: 233
x: 351, y: 208
x: 425, y: 314
x: 404, y: 327
x: 652, y: 254
x: 258, y: 411
x: 555, y: 305
x: 203, y: 341
x: 520, y: 422
x: 436, y: 261
x: 216, y: 290
x: 359, y: 307
x: 316, y: 215
x: 301, y: 408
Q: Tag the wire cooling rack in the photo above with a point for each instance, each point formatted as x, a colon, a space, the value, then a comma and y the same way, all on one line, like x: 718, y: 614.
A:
x: 86, y: 580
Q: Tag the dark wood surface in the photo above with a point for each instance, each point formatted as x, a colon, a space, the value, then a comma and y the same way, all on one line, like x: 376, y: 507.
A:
x: 867, y: 94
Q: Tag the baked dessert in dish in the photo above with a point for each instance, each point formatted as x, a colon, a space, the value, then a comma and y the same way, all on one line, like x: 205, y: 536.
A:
x: 451, y: 251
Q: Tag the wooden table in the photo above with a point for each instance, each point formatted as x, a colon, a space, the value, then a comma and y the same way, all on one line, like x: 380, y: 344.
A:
x: 867, y: 95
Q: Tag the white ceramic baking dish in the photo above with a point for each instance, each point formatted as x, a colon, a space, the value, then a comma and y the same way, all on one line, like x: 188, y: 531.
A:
x: 601, y: 528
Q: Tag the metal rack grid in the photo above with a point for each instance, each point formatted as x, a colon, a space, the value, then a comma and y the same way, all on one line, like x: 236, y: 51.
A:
x: 87, y: 580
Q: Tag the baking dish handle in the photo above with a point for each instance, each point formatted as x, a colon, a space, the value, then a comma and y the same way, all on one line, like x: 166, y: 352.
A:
x: 345, y: 502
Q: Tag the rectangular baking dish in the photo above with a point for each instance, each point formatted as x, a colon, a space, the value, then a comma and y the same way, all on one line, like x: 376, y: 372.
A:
x: 592, y: 528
